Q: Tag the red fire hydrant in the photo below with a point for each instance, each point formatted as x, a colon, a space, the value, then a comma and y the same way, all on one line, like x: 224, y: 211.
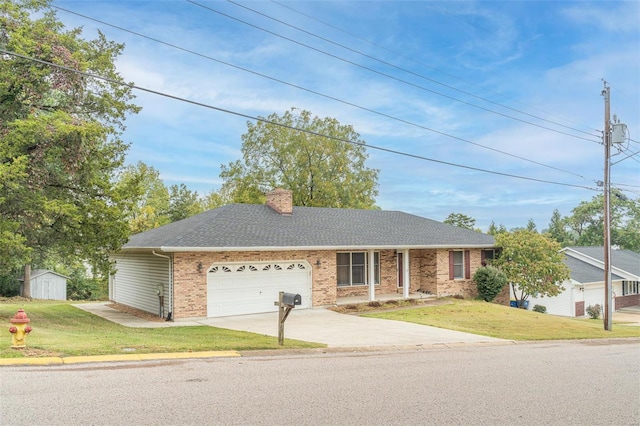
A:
x: 20, y: 329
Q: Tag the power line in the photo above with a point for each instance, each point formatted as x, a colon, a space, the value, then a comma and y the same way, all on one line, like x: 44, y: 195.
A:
x: 264, y: 120
x: 422, y: 76
x: 417, y: 86
x: 631, y: 156
x: 319, y: 93
x: 422, y: 64
x: 624, y: 184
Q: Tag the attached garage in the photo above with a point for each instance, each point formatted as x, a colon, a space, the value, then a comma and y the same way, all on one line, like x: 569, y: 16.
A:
x: 138, y: 279
x: 253, y: 287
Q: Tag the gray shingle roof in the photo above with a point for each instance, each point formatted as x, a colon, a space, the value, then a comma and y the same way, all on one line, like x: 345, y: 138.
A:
x: 585, y: 272
x: 256, y: 226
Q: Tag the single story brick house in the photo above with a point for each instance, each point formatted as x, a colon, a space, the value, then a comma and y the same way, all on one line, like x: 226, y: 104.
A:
x: 586, y: 283
x: 234, y: 259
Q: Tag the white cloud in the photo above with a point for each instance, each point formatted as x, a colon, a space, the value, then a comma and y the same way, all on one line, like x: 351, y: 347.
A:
x: 618, y: 16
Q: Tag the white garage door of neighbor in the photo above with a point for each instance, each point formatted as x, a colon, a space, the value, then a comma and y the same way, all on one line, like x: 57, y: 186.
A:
x: 252, y: 287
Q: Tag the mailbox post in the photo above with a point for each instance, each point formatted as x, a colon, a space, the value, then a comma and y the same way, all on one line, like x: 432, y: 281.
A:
x: 286, y: 302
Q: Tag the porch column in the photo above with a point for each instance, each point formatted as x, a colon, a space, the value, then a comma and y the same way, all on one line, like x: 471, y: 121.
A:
x: 406, y: 279
x: 372, y: 277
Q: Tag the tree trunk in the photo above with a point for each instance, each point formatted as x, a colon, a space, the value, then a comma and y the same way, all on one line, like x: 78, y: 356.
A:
x: 26, y: 286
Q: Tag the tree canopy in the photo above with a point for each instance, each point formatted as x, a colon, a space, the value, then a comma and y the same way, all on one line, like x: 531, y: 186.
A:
x: 532, y: 263
x: 151, y: 205
x: 315, y: 163
x: 156, y: 204
x: 461, y: 220
x: 61, y: 145
x: 584, y: 226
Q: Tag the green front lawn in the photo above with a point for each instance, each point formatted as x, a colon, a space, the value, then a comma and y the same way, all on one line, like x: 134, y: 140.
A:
x: 489, y: 319
x: 60, y: 329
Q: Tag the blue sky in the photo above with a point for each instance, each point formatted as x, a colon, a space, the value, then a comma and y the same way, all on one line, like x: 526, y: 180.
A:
x: 430, y: 79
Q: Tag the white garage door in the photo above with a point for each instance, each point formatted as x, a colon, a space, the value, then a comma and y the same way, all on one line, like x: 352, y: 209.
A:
x: 252, y: 287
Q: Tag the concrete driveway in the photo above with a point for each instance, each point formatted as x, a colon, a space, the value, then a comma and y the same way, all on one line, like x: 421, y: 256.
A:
x: 328, y: 327
x: 340, y: 330
x: 312, y: 325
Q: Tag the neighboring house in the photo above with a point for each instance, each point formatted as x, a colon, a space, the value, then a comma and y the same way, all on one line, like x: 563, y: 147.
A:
x: 235, y: 259
x: 47, y: 284
x: 586, y: 284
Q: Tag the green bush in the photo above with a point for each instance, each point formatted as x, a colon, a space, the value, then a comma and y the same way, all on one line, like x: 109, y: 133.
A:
x: 79, y: 287
x: 594, y: 311
x: 490, y: 281
x: 9, y: 286
x: 540, y: 309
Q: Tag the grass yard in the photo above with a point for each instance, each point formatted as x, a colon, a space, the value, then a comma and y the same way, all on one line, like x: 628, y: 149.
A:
x: 60, y: 329
x: 489, y: 319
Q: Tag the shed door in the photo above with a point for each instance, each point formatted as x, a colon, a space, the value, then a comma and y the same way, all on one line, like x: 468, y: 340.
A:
x: 253, y: 287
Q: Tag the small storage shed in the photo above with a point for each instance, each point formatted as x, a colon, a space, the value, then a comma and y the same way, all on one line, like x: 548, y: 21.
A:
x: 47, y: 284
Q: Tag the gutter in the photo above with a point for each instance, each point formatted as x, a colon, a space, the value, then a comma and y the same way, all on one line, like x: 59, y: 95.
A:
x: 170, y: 249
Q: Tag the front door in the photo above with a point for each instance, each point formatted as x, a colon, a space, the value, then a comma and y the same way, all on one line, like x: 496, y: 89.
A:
x: 400, y: 268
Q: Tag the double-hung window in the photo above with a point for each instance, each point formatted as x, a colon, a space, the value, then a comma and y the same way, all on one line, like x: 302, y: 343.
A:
x: 459, y: 265
x: 353, y: 268
x: 630, y: 287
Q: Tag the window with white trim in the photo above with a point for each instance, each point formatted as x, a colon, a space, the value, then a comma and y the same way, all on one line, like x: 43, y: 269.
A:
x: 630, y: 287
x: 353, y: 268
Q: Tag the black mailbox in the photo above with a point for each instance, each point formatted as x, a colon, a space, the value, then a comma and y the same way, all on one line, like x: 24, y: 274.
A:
x: 291, y: 299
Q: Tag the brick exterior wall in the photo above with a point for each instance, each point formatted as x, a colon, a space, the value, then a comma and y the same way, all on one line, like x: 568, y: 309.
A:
x: 429, y: 271
x: 423, y: 271
x: 190, y: 287
x: 503, y: 297
x: 281, y: 200
x: 628, y: 300
x: 463, y: 287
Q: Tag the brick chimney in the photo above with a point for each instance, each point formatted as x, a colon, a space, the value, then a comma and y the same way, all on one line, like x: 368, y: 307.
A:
x: 280, y: 200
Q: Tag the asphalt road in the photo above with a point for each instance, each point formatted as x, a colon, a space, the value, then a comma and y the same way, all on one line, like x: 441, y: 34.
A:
x: 550, y: 383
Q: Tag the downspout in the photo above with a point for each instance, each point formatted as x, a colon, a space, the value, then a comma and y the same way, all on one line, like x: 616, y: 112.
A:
x: 406, y: 274
x: 170, y: 282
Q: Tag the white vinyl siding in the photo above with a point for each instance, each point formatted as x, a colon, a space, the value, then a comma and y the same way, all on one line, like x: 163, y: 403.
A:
x: 49, y: 286
x: 136, y: 281
x: 562, y: 304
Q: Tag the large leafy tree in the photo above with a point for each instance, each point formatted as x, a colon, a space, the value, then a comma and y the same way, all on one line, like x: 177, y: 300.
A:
x: 532, y: 263
x: 558, y: 229
x: 183, y: 202
x: 496, y: 229
x: 584, y: 227
x: 461, y: 220
x: 321, y: 171
x: 60, y: 140
x: 151, y: 207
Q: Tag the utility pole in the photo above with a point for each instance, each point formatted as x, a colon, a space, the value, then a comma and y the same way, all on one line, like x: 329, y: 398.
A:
x: 608, y: 313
